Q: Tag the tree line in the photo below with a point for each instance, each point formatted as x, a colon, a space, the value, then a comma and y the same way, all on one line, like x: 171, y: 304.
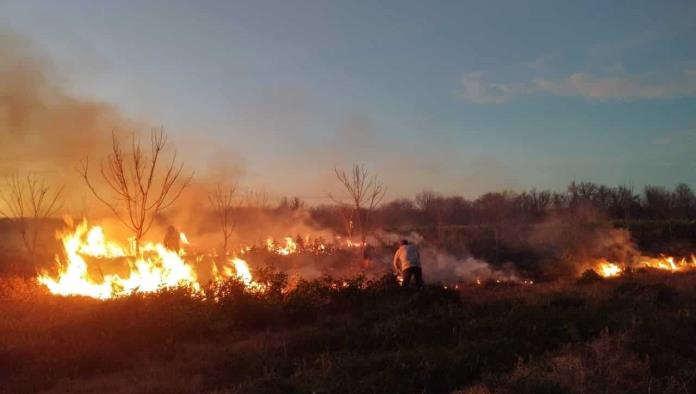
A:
x: 586, y: 201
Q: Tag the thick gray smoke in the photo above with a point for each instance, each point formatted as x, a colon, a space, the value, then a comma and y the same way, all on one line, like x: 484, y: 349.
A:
x: 44, y: 128
x: 441, y: 266
x: 446, y: 268
x: 565, y: 245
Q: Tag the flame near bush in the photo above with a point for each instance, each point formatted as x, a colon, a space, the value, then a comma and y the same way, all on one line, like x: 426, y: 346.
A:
x: 155, y: 269
x: 608, y: 269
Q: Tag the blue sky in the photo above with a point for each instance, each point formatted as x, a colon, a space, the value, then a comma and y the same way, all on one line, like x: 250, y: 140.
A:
x: 461, y: 97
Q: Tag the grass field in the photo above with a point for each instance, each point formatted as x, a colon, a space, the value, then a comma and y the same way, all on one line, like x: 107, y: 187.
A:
x: 633, y: 334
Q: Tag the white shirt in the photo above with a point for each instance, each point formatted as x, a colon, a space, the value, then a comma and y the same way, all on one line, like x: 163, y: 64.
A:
x: 406, y: 256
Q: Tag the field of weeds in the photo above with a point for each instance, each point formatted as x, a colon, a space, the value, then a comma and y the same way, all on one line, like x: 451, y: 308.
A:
x: 633, y: 334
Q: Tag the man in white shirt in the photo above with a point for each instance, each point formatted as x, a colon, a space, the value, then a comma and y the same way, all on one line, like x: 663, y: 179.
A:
x: 407, y: 264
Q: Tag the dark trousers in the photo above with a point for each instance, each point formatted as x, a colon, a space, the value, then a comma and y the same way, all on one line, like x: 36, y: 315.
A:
x: 413, y: 272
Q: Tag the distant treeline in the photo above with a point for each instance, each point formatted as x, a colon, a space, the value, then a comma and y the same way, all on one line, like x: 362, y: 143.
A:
x: 585, y: 201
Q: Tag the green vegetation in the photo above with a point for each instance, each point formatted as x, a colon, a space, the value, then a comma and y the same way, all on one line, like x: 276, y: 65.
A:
x: 633, y: 334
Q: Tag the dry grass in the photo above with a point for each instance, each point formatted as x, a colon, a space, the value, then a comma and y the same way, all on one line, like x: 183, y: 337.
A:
x: 633, y: 334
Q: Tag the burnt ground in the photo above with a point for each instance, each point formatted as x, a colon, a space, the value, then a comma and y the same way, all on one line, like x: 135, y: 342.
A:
x: 632, y: 334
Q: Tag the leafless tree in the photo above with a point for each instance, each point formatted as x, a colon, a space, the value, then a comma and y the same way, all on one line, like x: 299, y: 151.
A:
x: 222, y: 201
x: 141, y: 183
x: 364, y: 192
x: 684, y: 200
x: 623, y: 201
x: 534, y: 202
x: 433, y: 205
x: 290, y: 204
x: 29, y: 200
x: 256, y: 198
x: 347, y: 212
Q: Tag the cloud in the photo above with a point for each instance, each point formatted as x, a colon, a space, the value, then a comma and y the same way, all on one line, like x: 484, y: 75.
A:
x: 476, y: 89
x: 622, y: 86
x: 617, y: 85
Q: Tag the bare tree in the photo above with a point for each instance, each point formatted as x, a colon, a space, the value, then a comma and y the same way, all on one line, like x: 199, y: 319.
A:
x: 364, y: 193
x: 347, y: 212
x: 684, y: 200
x: 535, y: 202
x: 223, y: 203
x: 142, y: 186
x: 290, y: 204
x: 622, y: 202
x: 28, y: 201
x: 256, y: 198
x: 433, y: 205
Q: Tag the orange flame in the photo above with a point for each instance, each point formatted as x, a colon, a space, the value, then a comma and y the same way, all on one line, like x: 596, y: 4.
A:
x: 156, y: 268
x: 288, y: 248
x: 609, y: 269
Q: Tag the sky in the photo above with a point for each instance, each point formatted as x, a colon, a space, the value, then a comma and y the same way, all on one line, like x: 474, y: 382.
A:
x: 459, y: 97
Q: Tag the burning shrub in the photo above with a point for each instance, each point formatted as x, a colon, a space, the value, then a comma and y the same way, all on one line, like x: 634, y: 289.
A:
x: 589, y: 276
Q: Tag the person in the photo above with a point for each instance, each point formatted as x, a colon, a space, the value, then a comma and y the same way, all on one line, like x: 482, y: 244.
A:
x: 171, y: 239
x: 366, y: 257
x: 407, y: 264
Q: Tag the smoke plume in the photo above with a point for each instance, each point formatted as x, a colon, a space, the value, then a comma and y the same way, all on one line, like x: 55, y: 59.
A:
x: 43, y: 127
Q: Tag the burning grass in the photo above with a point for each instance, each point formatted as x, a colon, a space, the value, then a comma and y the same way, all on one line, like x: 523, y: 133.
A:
x: 89, y: 264
x: 160, y: 325
x: 608, y: 269
x: 85, y: 266
x: 633, y: 333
